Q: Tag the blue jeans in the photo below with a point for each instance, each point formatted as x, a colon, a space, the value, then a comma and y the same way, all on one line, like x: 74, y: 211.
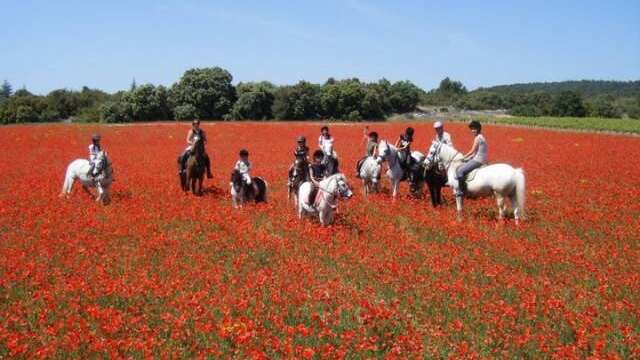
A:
x: 461, y: 173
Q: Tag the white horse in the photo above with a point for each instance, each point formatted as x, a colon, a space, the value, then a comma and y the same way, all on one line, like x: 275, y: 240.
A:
x: 326, y: 200
x: 370, y: 173
x: 389, y: 153
x: 79, y: 168
x: 502, y: 180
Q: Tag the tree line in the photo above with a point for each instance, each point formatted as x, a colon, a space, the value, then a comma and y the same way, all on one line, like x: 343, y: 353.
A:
x: 208, y: 93
x: 606, y: 99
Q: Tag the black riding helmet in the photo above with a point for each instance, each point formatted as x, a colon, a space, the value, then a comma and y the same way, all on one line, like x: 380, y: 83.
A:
x: 409, y: 133
x: 318, y: 154
x: 301, y: 139
x: 95, y: 137
x: 475, y: 125
x: 374, y: 135
x: 244, y: 152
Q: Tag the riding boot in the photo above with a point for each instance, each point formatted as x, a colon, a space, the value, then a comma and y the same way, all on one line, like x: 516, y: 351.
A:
x: 462, y: 187
x: 90, y: 172
x: 207, y: 163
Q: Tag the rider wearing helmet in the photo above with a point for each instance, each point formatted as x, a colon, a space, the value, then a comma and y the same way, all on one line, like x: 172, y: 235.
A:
x: 475, y: 158
x: 191, y: 135
x: 317, y: 169
x: 300, y: 153
x: 442, y: 136
x: 404, y: 147
x: 372, y: 150
x: 94, y: 149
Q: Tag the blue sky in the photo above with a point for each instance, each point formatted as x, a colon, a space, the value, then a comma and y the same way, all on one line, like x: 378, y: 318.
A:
x: 46, y: 45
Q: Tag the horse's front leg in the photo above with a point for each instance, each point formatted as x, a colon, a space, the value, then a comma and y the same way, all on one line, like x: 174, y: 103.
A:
x: 396, y: 185
x: 500, y: 203
x: 100, y: 192
x: 459, y: 203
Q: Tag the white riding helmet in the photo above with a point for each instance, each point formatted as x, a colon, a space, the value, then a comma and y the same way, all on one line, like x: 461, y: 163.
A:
x: 437, y: 124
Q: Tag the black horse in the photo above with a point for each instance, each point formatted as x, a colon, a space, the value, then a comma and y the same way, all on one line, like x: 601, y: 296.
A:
x: 435, y: 179
x: 242, y: 192
x: 298, y: 174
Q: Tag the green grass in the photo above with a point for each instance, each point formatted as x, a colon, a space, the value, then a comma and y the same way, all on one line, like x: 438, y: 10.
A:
x: 597, y: 124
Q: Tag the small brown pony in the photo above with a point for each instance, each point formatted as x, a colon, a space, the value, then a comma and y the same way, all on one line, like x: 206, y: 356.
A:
x: 194, y: 175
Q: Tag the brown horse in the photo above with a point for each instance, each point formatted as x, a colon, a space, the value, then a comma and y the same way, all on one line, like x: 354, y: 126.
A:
x: 194, y: 174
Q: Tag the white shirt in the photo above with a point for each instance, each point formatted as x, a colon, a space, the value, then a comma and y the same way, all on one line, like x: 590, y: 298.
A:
x: 481, y: 153
x: 93, y: 152
x: 326, y: 144
x: 445, y: 139
x: 243, y: 167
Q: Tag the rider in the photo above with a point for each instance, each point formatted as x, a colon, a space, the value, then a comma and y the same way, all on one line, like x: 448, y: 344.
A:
x: 441, y: 135
x: 371, y: 150
x: 317, y: 170
x: 403, y: 144
x: 193, y: 132
x: 325, y: 141
x: 475, y: 158
x: 94, y: 149
x: 243, y: 165
x: 300, y: 153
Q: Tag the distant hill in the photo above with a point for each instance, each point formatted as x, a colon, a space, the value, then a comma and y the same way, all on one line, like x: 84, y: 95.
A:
x: 587, y: 88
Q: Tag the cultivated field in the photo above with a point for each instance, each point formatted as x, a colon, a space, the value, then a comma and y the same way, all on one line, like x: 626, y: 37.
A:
x: 161, y: 273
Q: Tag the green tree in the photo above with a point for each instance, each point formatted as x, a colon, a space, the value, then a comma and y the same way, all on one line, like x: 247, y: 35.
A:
x: 447, y: 86
x: 255, y: 101
x: 63, y: 103
x: 115, y: 112
x: 5, y: 90
x: 342, y: 99
x: 208, y: 90
x: 297, y: 102
x: 404, y: 96
x: 185, y: 112
x: 568, y: 103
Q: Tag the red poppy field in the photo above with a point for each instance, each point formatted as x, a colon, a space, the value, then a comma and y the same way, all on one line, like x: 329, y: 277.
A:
x: 161, y: 273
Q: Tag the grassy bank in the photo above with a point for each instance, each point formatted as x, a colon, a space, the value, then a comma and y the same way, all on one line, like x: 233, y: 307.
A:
x: 597, y: 124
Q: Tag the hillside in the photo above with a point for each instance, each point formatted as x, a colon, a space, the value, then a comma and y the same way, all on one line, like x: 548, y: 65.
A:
x: 586, y: 88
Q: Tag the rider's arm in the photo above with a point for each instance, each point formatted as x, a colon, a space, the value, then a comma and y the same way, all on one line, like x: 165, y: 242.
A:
x: 311, y: 177
x: 473, y: 150
x: 189, y: 141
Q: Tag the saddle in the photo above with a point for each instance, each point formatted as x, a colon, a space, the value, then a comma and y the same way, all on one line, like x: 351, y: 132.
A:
x: 470, y: 176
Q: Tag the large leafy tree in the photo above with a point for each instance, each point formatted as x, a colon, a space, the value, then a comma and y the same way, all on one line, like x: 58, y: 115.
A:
x: 208, y: 90
x: 5, y: 90
x: 297, y: 102
x: 404, y: 96
x: 568, y: 103
x: 255, y: 101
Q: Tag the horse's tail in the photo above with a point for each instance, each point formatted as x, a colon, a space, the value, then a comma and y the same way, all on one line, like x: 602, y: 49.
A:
x: 261, y: 196
x: 520, y: 193
x: 68, y: 181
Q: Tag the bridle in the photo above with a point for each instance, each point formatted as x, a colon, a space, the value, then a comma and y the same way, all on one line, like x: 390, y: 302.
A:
x: 436, y: 156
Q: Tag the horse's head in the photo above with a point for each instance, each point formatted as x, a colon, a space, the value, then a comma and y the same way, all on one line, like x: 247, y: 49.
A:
x: 383, y: 149
x: 236, y: 179
x: 433, y: 155
x: 343, y: 187
x: 198, y: 144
